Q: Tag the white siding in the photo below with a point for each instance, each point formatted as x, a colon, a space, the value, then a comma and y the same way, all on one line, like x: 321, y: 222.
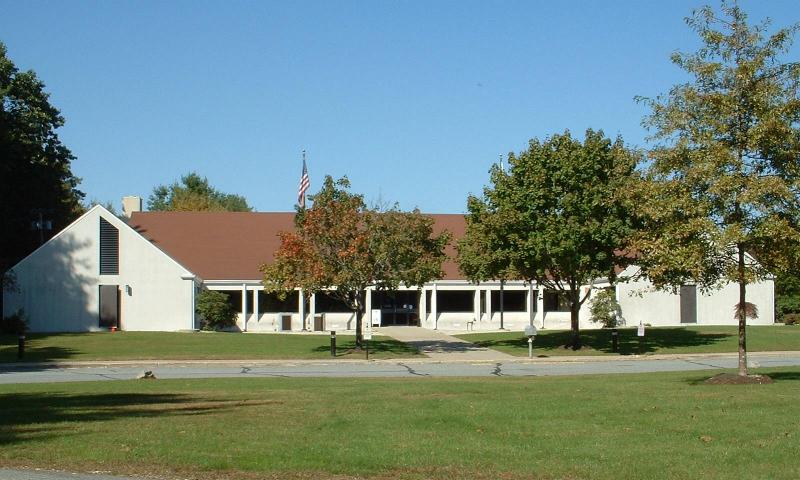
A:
x: 640, y: 303
x: 59, y: 282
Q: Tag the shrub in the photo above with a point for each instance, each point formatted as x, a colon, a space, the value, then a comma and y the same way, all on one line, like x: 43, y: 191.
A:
x: 15, y: 324
x: 791, y: 319
x: 605, y: 308
x: 215, y: 311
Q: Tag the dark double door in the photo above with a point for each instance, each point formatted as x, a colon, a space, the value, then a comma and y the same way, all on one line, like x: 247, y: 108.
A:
x: 397, y: 307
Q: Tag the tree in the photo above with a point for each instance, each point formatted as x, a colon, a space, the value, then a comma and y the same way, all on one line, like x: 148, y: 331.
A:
x: 721, y: 196
x: 193, y: 193
x: 35, y: 170
x: 605, y: 308
x: 558, y: 217
x: 341, y: 246
x: 787, y: 294
x: 215, y: 310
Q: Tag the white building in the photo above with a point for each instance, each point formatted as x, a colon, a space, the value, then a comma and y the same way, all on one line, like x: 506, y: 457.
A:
x: 102, y: 272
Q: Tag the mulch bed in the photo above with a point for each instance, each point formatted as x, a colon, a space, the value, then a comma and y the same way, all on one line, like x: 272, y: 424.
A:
x: 734, y: 379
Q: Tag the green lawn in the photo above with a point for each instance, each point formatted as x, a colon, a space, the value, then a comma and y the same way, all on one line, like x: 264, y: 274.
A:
x: 188, y: 345
x: 644, y: 426
x: 696, y: 339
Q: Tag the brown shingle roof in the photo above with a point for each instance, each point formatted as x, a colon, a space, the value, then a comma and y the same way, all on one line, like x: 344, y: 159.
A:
x: 232, y: 245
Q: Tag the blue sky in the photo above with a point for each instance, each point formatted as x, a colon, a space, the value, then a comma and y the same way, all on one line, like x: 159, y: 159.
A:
x: 412, y: 100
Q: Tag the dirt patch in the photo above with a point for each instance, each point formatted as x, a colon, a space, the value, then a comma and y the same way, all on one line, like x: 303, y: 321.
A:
x: 734, y: 379
x: 161, y: 472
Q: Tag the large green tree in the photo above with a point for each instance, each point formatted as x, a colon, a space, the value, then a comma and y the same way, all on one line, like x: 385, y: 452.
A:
x: 558, y: 217
x: 721, y: 200
x: 35, y: 167
x: 341, y: 246
x: 194, y: 193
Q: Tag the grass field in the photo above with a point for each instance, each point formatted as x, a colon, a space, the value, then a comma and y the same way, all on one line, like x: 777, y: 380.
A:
x: 189, y: 345
x: 653, y: 426
x: 695, y: 339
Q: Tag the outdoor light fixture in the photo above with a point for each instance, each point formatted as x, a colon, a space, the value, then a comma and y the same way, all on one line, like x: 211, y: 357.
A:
x: 530, y: 332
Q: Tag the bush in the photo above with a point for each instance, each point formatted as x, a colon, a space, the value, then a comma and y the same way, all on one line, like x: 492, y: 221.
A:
x: 605, y: 308
x: 15, y: 324
x: 215, y: 311
x: 791, y: 319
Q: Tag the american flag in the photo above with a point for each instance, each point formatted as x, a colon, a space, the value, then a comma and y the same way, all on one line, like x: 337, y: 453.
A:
x: 304, y: 184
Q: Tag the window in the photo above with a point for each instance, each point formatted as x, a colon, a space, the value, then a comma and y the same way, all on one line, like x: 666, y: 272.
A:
x: 513, y: 301
x: 270, y: 303
x: 109, y: 248
x: 428, y: 302
x: 455, y: 300
x: 235, y: 300
x: 327, y: 303
x: 555, y: 301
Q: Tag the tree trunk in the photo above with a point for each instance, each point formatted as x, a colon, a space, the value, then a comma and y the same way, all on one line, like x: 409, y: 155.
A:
x: 359, y: 318
x: 574, y: 319
x: 359, y: 334
x: 742, y: 314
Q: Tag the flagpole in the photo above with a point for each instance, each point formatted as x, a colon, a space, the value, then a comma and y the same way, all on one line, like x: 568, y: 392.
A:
x: 304, y: 184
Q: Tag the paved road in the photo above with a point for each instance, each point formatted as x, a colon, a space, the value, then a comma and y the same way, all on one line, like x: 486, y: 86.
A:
x: 387, y: 369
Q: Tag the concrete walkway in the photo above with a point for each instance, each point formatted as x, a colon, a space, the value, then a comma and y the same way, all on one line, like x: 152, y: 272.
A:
x: 440, y: 346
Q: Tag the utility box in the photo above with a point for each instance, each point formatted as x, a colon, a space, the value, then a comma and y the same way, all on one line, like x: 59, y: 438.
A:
x: 319, y: 322
x: 376, y: 317
x: 285, y: 322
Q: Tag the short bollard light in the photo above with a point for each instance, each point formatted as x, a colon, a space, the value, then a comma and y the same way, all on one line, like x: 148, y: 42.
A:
x: 21, y: 346
x: 614, y: 340
x: 530, y: 332
x: 333, y: 343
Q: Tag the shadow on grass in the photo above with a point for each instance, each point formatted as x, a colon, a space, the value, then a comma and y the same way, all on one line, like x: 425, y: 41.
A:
x: 9, y: 349
x: 600, y: 340
x: 380, y: 346
x: 34, y: 417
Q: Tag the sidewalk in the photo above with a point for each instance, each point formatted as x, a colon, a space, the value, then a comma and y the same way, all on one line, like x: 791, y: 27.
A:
x: 439, y: 346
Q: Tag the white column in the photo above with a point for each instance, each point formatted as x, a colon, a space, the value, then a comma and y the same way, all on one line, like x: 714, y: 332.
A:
x: 301, y: 308
x: 529, y: 304
x: 312, y: 309
x: 368, y: 308
x: 255, y: 304
x: 244, y: 307
x: 434, y: 312
x: 194, y: 305
x: 489, y: 305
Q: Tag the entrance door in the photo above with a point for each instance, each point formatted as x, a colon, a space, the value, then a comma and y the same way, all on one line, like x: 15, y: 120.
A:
x: 109, y: 306
x: 688, y: 304
x: 398, y: 307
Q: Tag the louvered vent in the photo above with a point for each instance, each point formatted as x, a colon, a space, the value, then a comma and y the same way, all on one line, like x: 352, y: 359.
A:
x: 109, y: 248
